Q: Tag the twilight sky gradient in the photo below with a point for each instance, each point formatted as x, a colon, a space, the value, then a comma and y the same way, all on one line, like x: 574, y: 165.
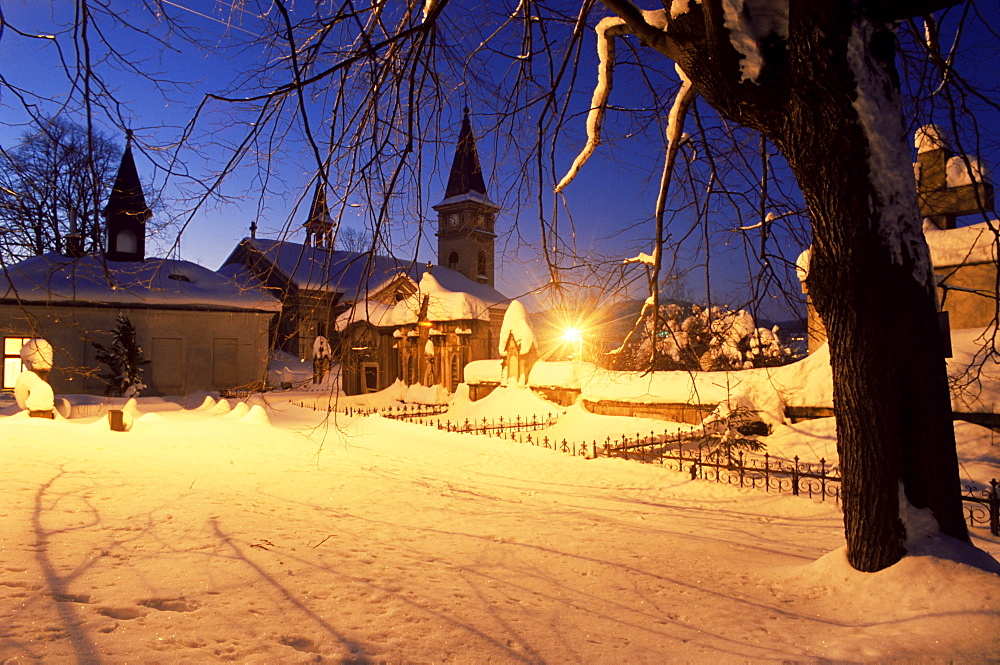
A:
x: 608, y: 209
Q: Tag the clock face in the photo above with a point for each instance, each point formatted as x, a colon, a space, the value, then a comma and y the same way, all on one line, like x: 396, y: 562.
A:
x: 451, y: 219
x: 479, y: 220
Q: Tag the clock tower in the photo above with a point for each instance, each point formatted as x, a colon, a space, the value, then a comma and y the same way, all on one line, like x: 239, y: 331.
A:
x: 466, y: 216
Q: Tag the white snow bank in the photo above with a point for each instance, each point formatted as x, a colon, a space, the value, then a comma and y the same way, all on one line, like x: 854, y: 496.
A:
x: 767, y: 390
x: 562, y: 374
x: 419, y: 394
x: 508, y: 402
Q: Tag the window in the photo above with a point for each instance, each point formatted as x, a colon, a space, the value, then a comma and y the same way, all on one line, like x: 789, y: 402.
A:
x: 456, y: 371
x: 321, y: 328
x: 126, y: 242
x: 481, y: 270
x: 12, y: 365
x: 453, y: 260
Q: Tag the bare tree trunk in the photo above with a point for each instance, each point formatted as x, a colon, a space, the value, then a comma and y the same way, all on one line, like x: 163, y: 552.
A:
x: 870, y: 281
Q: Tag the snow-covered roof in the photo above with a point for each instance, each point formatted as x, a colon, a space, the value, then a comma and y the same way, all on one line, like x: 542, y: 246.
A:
x: 352, y: 274
x: 515, y: 322
x: 452, y: 297
x: 55, y: 279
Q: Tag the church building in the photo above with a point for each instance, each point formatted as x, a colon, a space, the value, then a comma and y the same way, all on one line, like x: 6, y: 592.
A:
x: 388, y: 319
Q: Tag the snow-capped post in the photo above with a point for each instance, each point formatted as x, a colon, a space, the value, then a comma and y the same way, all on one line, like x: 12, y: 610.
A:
x: 321, y: 354
x: 32, y: 390
x: 518, y: 351
x: 822, y: 83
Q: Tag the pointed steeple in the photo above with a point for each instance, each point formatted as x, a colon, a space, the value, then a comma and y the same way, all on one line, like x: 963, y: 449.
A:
x: 319, y: 224
x: 466, y: 175
x: 126, y: 212
x: 466, y: 216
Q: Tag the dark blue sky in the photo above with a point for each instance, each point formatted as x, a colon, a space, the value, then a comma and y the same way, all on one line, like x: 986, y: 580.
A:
x: 607, y: 210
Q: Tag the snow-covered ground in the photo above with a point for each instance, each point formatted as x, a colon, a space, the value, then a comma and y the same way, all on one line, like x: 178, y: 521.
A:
x: 271, y: 534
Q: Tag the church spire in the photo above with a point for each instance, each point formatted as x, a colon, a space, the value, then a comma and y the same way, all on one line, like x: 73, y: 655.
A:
x: 466, y: 175
x: 319, y: 224
x: 126, y: 212
x: 466, y: 216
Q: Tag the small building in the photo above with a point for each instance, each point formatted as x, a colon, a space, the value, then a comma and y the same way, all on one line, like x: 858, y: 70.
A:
x: 200, y: 330
x: 388, y: 319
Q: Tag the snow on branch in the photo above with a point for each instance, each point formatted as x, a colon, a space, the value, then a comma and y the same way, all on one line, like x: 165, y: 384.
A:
x: 643, y: 257
x: 606, y: 29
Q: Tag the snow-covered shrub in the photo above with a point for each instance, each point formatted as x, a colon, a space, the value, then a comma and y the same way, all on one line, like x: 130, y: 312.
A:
x: 124, y: 360
x: 727, y: 432
x: 706, y: 339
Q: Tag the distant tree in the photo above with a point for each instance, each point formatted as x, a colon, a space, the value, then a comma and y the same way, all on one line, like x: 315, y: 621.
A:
x: 56, y: 172
x: 124, y: 360
x: 352, y: 240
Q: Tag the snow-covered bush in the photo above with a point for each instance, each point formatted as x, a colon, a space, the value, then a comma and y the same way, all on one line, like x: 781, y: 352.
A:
x: 707, y: 339
x: 728, y: 431
x: 124, y: 360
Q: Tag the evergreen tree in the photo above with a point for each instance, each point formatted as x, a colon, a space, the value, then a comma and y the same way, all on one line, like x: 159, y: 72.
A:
x: 124, y: 360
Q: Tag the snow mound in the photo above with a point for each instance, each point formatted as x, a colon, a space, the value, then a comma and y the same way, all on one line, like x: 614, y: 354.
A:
x: 206, y: 404
x: 483, y: 371
x: 238, y: 412
x: 507, y: 402
x: 256, y: 416
x: 564, y: 374
x: 418, y: 394
x: 223, y: 406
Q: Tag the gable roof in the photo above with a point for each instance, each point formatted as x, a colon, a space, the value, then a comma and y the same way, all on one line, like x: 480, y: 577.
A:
x: 53, y: 279
x: 353, y: 275
x: 442, y: 303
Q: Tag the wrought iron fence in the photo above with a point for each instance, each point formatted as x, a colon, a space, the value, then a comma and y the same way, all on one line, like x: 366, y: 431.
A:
x: 499, y: 427
x: 985, y: 508
x: 815, y: 480
x: 407, y: 412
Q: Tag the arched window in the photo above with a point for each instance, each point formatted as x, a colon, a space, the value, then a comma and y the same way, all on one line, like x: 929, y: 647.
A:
x: 481, y: 269
x: 453, y: 260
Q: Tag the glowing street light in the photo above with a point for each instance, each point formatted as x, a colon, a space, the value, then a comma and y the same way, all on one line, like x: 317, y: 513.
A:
x: 572, y: 335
